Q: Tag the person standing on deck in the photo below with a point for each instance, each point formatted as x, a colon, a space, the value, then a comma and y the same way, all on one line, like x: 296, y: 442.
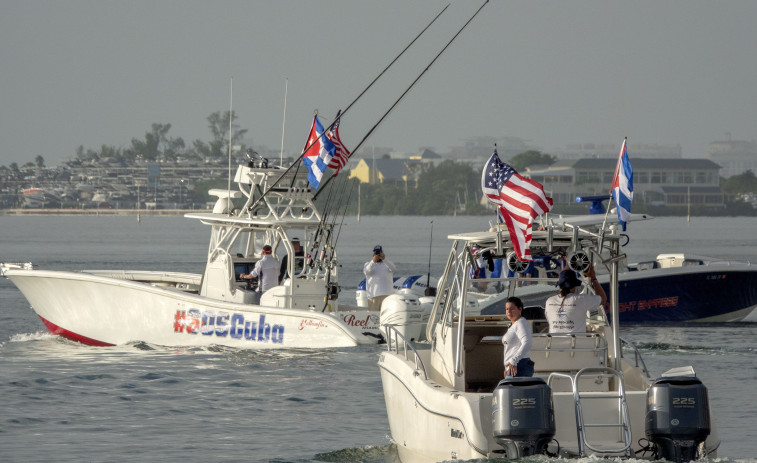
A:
x: 379, y: 277
x: 517, y: 341
x: 566, y: 312
x: 266, y: 270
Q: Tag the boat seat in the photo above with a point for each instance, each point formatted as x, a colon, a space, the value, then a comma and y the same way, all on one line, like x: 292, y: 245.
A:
x: 569, y: 353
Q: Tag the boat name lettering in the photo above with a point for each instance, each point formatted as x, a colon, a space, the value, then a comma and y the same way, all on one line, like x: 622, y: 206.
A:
x: 224, y: 324
x: 456, y: 433
x: 352, y: 320
x: 308, y: 323
x: 632, y: 306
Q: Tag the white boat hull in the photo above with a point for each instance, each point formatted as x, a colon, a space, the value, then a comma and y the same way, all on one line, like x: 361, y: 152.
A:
x: 446, y: 399
x: 430, y: 422
x: 101, y: 310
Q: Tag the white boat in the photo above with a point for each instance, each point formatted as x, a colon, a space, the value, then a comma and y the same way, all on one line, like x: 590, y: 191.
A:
x: 216, y: 307
x: 591, y: 393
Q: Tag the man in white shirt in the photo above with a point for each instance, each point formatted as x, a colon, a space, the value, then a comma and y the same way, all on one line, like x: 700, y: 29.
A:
x: 266, y: 270
x: 379, y: 277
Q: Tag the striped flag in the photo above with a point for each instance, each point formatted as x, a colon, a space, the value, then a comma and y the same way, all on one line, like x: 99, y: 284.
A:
x: 520, y: 201
x: 319, y: 154
x: 342, y: 154
x: 622, y: 186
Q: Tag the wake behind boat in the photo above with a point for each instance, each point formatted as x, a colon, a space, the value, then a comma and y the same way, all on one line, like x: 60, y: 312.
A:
x: 591, y: 393
x: 217, y: 307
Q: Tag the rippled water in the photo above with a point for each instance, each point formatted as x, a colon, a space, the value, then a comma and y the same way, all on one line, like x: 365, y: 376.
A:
x: 62, y: 401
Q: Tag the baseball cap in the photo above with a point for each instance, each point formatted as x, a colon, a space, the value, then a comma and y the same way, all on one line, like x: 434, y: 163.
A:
x: 568, y: 279
x: 267, y: 249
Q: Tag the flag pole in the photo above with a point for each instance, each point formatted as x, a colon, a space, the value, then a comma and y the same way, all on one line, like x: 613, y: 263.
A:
x: 612, y: 197
x: 351, y: 104
x: 406, y: 91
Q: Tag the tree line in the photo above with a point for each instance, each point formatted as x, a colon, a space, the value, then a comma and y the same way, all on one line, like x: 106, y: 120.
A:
x: 157, y: 144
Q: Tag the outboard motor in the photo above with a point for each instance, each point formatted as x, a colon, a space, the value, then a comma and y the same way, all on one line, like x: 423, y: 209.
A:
x: 678, y: 417
x: 405, y: 312
x: 523, y: 419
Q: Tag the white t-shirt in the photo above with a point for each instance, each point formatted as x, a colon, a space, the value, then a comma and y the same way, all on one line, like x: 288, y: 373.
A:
x: 379, y: 277
x: 517, y: 341
x: 268, y: 267
x: 568, y: 315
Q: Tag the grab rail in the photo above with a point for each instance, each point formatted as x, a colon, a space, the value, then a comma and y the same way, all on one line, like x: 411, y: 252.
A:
x: 393, y: 338
x: 638, y: 359
x: 571, y: 339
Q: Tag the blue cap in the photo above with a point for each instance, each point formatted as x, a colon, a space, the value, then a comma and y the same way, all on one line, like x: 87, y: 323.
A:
x: 568, y: 280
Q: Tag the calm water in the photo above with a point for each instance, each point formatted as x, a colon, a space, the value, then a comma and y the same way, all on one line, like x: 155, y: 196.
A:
x: 61, y: 401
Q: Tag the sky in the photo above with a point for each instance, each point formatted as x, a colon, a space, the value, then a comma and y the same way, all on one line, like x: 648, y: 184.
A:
x: 552, y: 72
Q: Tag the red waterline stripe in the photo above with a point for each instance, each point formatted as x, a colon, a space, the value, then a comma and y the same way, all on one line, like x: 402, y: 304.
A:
x: 55, y: 329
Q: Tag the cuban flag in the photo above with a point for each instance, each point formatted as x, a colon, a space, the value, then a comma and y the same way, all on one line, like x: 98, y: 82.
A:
x: 622, y: 186
x: 318, y: 153
x: 520, y: 201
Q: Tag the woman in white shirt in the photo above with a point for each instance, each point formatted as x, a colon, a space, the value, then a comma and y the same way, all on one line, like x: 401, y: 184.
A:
x: 517, y: 341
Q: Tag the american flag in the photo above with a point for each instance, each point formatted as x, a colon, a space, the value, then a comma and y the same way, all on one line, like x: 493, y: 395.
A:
x: 520, y: 201
x: 342, y: 154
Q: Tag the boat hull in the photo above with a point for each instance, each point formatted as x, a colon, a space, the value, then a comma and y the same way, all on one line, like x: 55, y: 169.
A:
x: 430, y: 422
x: 708, y: 293
x: 101, y: 310
x: 703, y: 293
x: 425, y: 425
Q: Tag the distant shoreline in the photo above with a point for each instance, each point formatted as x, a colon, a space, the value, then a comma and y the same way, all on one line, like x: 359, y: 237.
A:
x: 113, y: 212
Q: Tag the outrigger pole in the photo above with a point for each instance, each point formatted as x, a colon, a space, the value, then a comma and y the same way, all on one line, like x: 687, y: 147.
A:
x: 404, y: 93
x: 351, y: 104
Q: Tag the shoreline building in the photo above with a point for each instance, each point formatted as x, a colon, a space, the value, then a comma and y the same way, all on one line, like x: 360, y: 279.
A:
x: 656, y: 182
x: 735, y: 156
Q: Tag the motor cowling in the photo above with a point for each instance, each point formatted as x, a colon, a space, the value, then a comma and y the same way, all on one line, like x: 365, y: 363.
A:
x: 678, y: 417
x: 523, y: 419
x: 405, y: 312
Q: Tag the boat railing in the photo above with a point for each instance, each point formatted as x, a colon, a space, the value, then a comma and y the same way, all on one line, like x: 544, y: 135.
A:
x: 395, y: 342
x: 638, y: 359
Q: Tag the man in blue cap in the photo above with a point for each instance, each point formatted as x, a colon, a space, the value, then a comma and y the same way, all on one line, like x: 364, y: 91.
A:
x: 379, y: 277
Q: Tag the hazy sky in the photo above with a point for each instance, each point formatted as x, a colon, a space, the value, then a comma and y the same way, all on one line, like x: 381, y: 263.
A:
x: 94, y: 72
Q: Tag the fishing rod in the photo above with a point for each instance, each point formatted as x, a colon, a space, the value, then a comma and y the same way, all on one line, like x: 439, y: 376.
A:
x: 326, y: 182
x: 353, y: 102
x: 405, y: 92
x: 429, y: 290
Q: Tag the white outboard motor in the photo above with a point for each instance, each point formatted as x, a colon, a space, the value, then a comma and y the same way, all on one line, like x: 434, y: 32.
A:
x: 427, y: 305
x: 405, y: 312
x: 523, y: 419
x: 678, y: 417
